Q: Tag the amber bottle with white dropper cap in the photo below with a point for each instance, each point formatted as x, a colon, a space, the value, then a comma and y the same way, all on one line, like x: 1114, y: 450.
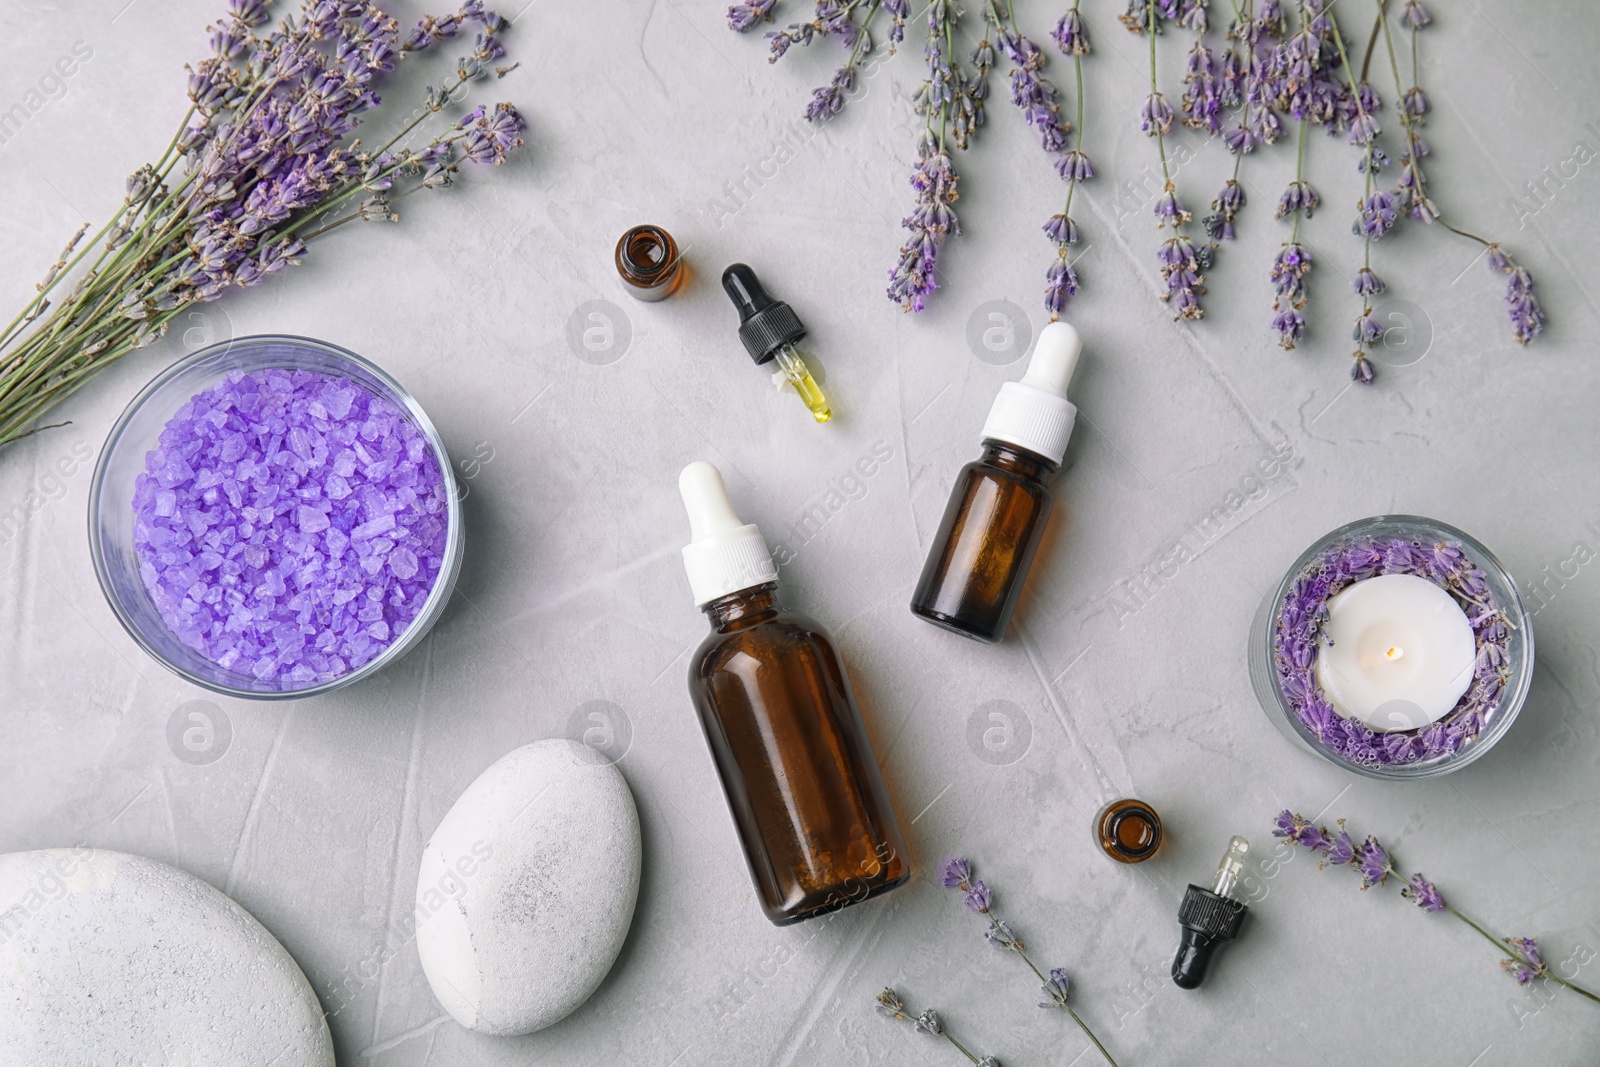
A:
x: 1001, y: 502
x: 795, y: 762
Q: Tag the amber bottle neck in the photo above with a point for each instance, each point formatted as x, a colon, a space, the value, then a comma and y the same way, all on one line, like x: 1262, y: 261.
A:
x: 743, y: 608
x: 1017, y: 460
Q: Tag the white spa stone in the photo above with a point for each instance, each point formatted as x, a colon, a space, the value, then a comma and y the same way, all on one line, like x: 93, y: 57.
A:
x: 527, y: 887
x: 110, y: 959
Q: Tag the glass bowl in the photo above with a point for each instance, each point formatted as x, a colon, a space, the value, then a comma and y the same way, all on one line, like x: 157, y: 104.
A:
x: 111, y: 541
x: 1264, y: 676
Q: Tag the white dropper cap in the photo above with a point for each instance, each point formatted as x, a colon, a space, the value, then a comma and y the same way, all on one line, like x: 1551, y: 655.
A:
x: 723, y: 555
x: 1034, y: 413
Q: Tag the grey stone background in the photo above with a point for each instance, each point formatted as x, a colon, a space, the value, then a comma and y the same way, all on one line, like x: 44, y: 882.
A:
x: 1122, y: 677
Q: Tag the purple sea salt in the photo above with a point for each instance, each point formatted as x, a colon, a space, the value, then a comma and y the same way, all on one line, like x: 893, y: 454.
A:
x: 290, y: 525
x: 1297, y: 635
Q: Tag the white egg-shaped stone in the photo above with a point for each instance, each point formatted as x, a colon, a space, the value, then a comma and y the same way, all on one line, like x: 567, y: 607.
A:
x: 527, y: 887
x: 107, y: 958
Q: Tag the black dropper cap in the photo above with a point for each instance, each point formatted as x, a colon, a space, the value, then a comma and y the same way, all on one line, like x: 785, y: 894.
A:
x: 765, y: 324
x: 1210, y: 918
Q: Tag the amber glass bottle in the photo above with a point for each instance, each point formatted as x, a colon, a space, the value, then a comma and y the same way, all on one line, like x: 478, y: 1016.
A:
x: 806, y: 795
x: 1001, y: 502
x: 1128, y: 830
x: 986, y: 542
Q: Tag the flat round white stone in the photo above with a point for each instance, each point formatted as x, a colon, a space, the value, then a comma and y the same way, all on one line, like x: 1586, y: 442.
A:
x: 107, y: 958
x: 526, y: 889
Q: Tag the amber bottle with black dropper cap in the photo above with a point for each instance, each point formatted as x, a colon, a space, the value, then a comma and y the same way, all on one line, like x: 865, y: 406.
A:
x: 806, y: 794
x: 1001, y: 502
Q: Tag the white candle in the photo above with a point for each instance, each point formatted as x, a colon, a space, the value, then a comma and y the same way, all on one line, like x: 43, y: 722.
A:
x: 1398, y: 652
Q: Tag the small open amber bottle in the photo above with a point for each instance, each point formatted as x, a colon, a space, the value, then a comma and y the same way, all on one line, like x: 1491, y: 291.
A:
x: 1129, y: 831
x: 1002, y: 501
x: 648, y: 261
x: 787, y: 739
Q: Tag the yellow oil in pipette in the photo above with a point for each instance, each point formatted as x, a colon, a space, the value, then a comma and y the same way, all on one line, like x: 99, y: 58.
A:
x: 799, y: 375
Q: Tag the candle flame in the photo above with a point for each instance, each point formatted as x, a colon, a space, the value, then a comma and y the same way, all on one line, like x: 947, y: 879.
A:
x: 1395, y: 652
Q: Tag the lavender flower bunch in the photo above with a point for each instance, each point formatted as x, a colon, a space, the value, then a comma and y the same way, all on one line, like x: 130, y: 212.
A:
x: 1297, y: 635
x: 890, y: 1006
x: 978, y: 899
x: 1525, y: 963
x: 263, y: 162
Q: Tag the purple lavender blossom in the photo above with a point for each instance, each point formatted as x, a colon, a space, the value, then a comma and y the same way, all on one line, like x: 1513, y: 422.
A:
x: 1289, y: 270
x: 1070, y: 35
x: 741, y: 17
x: 828, y: 100
x: 930, y: 222
x: 1300, y: 197
x: 999, y: 933
x: 493, y: 137
x: 1156, y: 115
x: 1527, y: 315
x: 1182, y: 276
x: 1377, y: 216
x: 1074, y: 166
x: 1289, y: 324
x: 1366, y: 283
x: 1202, y: 97
x: 1055, y: 989
x: 1032, y: 93
x: 977, y: 898
x: 1528, y: 949
x: 1362, y: 371
x: 1061, y: 230
x: 1364, y: 129
x: 1061, y: 284
x: 898, y: 11
x: 1423, y: 893
x: 1414, y: 16
x: 955, y: 872
x: 1528, y: 964
x: 1225, y: 208
x: 1168, y: 210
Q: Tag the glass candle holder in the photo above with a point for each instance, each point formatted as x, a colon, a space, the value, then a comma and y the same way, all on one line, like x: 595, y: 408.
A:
x: 1287, y: 639
x: 111, y: 511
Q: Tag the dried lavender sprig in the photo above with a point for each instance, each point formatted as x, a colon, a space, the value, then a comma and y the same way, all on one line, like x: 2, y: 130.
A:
x: 934, y: 178
x: 956, y: 873
x: 1293, y: 264
x: 1182, y: 264
x: 1375, y: 863
x: 890, y: 1006
x: 1412, y: 194
x: 1376, y: 214
x: 829, y: 100
x: 1031, y: 91
x: 1061, y: 279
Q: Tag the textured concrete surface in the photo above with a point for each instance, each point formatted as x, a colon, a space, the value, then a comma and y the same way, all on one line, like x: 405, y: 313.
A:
x: 1126, y: 674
